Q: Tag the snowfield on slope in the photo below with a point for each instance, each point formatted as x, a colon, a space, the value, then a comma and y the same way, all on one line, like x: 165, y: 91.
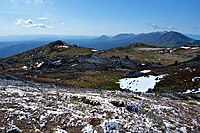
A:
x: 140, y: 84
x: 33, y: 107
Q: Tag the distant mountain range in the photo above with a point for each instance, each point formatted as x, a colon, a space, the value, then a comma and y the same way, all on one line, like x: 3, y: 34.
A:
x: 161, y: 39
x: 164, y: 39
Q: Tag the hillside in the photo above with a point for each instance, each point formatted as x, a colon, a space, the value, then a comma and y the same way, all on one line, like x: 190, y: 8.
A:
x: 37, y: 107
x: 19, y: 47
x: 154, y: 54
x: 51, y: 51
x: 172, y: 38
x: 70, y: 65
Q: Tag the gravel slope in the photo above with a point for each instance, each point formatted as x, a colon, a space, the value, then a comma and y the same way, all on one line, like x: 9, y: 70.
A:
x: 32, y: 107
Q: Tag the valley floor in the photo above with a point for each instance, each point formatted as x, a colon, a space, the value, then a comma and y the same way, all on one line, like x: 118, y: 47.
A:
x: 32, y: 107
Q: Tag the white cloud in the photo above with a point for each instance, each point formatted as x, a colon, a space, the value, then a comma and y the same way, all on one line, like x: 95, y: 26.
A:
x: 39, y: 26
x: 29, y: 23
x: 42, y: 18
x: 62, y: 24
x: 24, y: 22
x: 159, y: 27
x: 170, y: 27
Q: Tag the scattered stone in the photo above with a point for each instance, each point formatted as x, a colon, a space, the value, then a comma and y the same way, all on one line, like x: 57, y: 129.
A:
x: 88, y: 101
x: 110, y: 126
x: 118, y: 103
x: 12, y: 129
x: 132, y: 107
x: 95, y: 122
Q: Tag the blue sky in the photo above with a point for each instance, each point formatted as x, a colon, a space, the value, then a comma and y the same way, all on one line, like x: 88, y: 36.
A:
x: 97, y: 17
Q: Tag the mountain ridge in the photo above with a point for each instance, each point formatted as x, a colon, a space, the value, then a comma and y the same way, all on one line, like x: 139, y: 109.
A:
x: 172, y: 37
x: 162, y: 39
x: 154, y: 38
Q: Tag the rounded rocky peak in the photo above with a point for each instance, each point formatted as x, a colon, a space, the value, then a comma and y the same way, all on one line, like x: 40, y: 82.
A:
x: 104, y: 36
x: 60, y: 43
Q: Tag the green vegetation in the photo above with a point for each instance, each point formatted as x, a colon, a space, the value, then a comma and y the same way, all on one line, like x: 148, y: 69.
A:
x: 104, y: 80
x: 90, y: 102
x: 148, y: 53
x: 85, y: 100
x: 75, y: 99
x: 48, y: 52
x: 178, y: 82
x: 101, y: 79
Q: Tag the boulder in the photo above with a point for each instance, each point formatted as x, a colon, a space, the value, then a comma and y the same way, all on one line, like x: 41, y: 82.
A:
x: 132, y: 107
x: 12, y: 129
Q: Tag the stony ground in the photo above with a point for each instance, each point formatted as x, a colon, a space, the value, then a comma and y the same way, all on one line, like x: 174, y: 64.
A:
x: 31, y: 107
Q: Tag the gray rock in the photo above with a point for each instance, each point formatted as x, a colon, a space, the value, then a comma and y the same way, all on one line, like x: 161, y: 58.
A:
x: 12, y: 129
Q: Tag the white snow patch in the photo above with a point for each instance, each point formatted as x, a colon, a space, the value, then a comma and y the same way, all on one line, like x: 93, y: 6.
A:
x: 159, y: 107
x: 56, y: 62
x: 64, y: 46
x: 192, y: 91
x: 39, y: 64
x: 18, y: 91
x: 168, y: 124
x: 195, y: 48
x: 145, y: 71
x: 183, y: 129
x: 25, y: 67
x: 185, y: 47
x: 55, y: 112
x: 74, y: 65
x: 198, y: 78
x: 87, y: 129
x: 7, y: 109
x: 42, y: 117
x: 32, y: 107
x: 58, y: 130
x: 94, y: 50
x: 140, y: 84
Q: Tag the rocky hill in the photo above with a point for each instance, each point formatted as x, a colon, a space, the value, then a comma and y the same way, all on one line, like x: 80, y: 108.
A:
x: 148, y: 53
x: 70, y: 65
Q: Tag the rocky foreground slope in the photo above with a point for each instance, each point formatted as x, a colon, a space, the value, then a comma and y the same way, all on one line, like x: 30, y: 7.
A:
x: 29, y: 107
x: 32, y: 107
